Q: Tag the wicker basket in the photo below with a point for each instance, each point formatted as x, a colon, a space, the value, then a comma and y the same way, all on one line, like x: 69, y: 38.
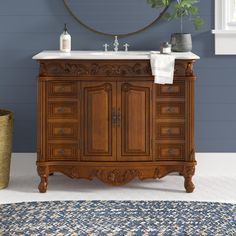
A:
x: 6, y: 134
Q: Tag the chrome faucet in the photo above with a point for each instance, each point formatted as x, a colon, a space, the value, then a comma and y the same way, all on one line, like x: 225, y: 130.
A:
x: 116, y: 44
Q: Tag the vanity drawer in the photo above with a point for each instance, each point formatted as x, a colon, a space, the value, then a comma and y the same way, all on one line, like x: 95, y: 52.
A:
x: 62, y: 152
x: 62, y: 89
x: 170, y: 131
x: 65, y: 131
x: 62, y: 110
x: 170, y: 152
x: 172, y: 90
x: 170, y: 110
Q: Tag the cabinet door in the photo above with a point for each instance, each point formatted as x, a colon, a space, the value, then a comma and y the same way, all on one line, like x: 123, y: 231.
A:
x: 98, y: 125
x: 134, y: 123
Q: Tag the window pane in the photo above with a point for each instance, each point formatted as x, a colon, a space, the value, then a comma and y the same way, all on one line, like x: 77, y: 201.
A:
x: 234, y: 17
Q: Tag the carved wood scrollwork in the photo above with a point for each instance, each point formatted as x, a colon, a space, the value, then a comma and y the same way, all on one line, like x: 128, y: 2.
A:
x: 126, y: 70
x: 117, y: 176
x: 58, y: 68
x: 158, y: 173
x: 189, y: 69
x: 189, y: 171
x: 72, y: 172
x: 107, y: 70
x: 162, y: 171
x: 107, y: 87
x: 123, y: 68
x: 78, y: 69
x: 183, y: 68
x: 192, y: 155
x: 42, y: 171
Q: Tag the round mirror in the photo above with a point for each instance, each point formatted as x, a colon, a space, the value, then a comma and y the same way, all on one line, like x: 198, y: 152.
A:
x: 114, y: 17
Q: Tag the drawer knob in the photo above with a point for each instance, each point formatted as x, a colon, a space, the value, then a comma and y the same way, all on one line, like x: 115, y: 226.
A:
x: 170, y: 109
x: 61, y: 89
x: 62, y: 131
x: 170, y: 151
x: 169, y: 131
x: 169, y: 88
x: 61, y: 151
x: 61, y: 109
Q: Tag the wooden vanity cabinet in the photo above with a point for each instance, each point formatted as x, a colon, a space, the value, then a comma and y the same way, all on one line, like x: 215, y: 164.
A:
x: 107, y: 119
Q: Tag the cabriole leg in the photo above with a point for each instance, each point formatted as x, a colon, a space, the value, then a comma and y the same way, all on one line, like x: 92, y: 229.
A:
x: 188, y: 184
x: 188, y: 174
x: 43, y: 184
x: 43, y: 173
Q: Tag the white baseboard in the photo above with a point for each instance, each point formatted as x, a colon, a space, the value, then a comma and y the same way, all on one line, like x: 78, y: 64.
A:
x: 24, y: 154
x: 207, y: 163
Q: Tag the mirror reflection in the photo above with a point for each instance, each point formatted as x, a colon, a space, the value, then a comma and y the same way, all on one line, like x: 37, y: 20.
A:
x: 114, y: 17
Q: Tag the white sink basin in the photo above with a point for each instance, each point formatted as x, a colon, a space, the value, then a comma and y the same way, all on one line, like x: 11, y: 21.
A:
x: 93, y: 55
x: 119, y: 53
x: 101, y: 55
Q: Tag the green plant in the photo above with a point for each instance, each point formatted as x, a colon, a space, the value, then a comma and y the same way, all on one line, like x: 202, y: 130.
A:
x: 180, y: 9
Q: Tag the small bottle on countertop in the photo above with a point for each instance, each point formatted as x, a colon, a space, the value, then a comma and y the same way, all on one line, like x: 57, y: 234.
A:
x: 166, y: 48
x: 65, y: 41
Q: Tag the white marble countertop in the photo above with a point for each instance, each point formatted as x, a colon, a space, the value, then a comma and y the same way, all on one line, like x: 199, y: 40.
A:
x: 110, y: 55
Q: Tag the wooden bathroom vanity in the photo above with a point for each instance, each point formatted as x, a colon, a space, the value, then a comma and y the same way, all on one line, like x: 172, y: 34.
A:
x: 106, y: 118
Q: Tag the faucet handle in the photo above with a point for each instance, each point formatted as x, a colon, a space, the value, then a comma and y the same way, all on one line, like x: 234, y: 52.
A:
x: 106, y: 47
x: 126, y: 46
x: 116, y: 44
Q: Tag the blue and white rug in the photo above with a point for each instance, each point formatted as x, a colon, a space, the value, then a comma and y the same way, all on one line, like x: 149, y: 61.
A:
x: 108, y: 218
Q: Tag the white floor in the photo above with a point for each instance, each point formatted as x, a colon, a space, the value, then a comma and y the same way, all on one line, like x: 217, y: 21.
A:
x: 215, y: 180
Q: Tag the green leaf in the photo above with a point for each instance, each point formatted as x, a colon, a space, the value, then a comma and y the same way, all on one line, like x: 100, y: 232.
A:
x: 180, y: 9
x: 194, y: 10
x: 198, y: 23
x: 158, y: 3
x: 167, y: 16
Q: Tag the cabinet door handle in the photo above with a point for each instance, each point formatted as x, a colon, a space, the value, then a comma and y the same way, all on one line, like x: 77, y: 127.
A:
x: 118, y: 117
x: 114, y: 117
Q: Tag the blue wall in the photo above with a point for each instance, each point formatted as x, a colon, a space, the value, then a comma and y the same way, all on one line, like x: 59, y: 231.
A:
x: 29, y: 26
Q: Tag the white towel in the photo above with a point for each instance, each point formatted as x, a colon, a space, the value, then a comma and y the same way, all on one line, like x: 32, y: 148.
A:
x: 162, y: 68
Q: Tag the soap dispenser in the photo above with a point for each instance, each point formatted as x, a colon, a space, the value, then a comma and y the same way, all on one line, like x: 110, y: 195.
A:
x: 65, y: 41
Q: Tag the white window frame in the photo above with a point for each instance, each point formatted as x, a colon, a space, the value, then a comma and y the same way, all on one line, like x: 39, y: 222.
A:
x: 225, y: 28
